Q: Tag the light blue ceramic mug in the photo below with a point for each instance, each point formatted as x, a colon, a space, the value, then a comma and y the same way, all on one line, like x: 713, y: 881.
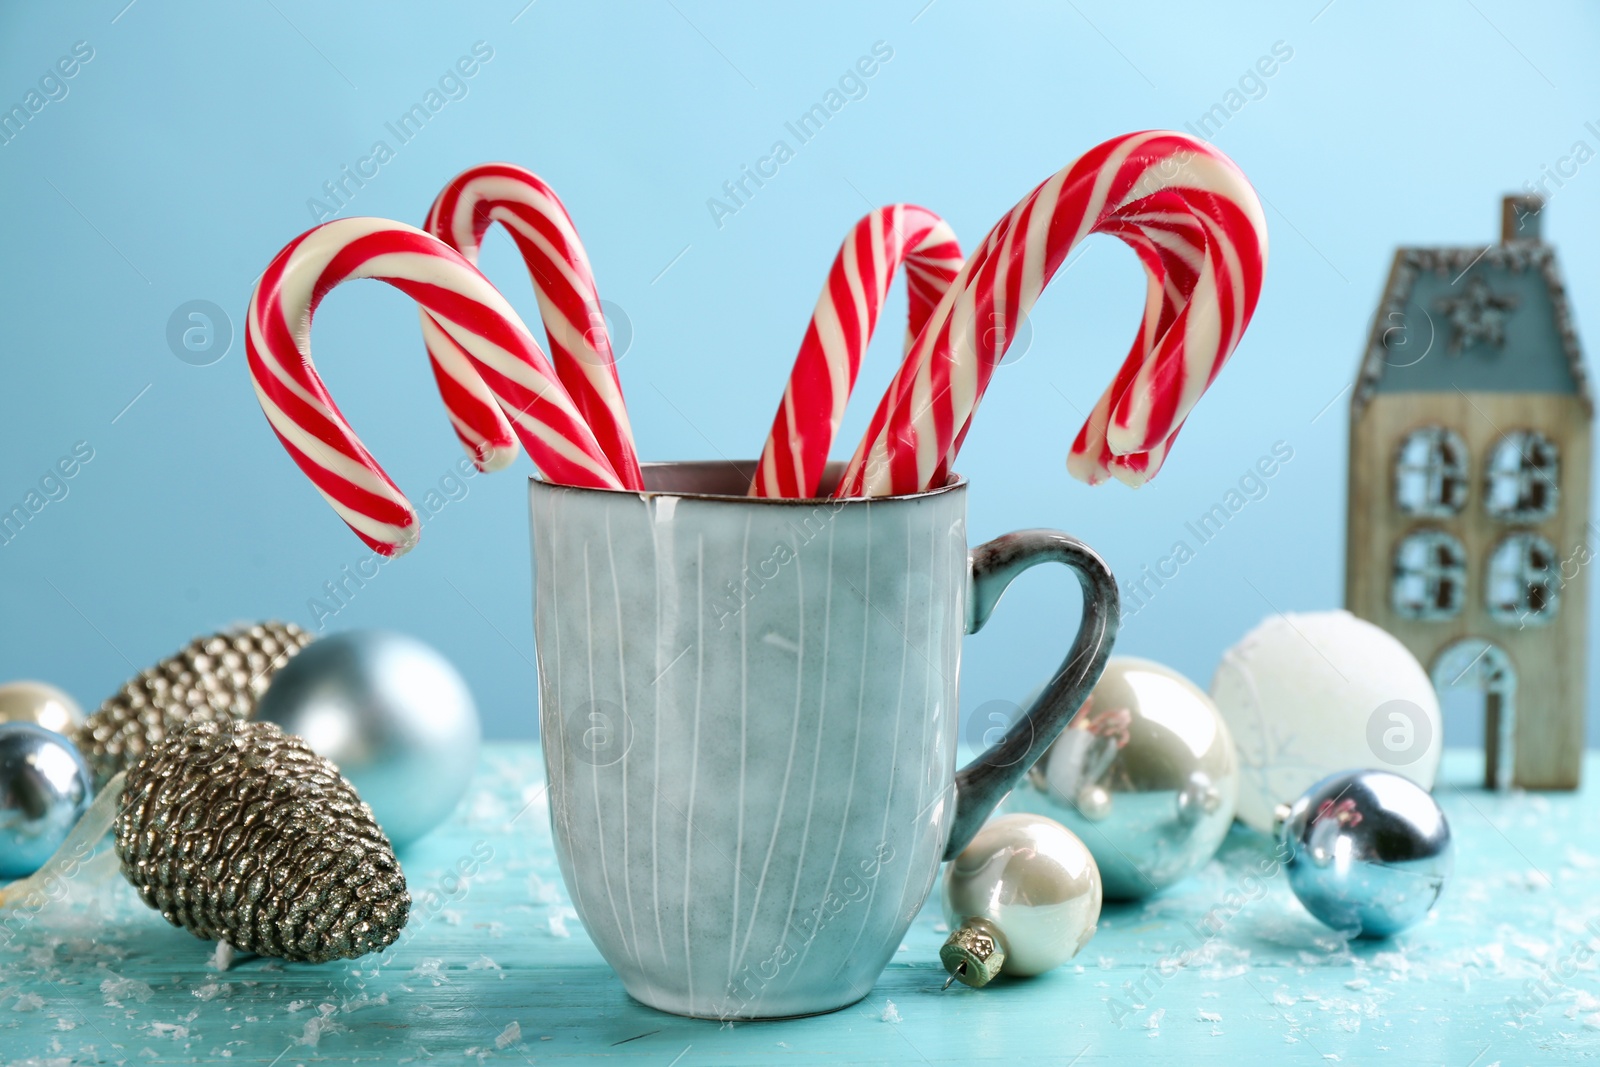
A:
x: 749, y: 717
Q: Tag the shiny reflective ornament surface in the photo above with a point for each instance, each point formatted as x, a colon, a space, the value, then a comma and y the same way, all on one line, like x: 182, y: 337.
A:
x: 1145, y: 775
x: 1367, y: 852
x: 45, y: 785
x: 216, y: 678
x: 392, y: 714
x: 41, y: 704
x: 1023, y: 898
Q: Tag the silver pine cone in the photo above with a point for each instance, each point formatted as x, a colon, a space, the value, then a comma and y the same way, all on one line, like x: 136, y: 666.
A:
x: 238, y: 832
x: 215, y: 679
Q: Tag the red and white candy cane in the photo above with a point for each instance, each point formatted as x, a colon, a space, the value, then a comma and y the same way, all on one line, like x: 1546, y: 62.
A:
x: 824, y: 374
x: 1198, y: 226
x: 569, y: 304
x: 465, y: 311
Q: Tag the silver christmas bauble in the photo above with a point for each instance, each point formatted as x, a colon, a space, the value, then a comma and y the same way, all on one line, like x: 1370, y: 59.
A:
x: 216, y: 678
x: 392, y: 714
x: 45, y: 785
x: 1145, y: 774
x: 239, y: 833
x: 41, y: 704
x: 1023, y: 898
x: 1367, y: 852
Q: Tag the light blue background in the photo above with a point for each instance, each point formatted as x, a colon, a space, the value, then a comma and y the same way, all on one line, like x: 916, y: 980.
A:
x: 184, y: 153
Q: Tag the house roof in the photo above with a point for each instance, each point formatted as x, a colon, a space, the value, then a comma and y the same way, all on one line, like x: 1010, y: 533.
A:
x: 1474, y: 319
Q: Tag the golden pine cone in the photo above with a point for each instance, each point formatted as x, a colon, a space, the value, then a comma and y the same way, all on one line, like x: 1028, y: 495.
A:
x: 238, y: 832
x: 216, y: 678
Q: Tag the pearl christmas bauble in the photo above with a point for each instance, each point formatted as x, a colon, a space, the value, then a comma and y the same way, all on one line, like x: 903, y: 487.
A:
x: 1308, y: 695
x: 1145, y: 775
x: 45, y: 786
x: 41, y: 704
x: 1367, y: 852
x: 392, y: 714
x: 1022, y: 898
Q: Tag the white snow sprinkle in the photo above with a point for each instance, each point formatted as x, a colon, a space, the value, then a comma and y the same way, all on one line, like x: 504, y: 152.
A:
x: 483, y: 963
x: 511, y: 1035
x: 222, y: 958
x: 1393, y: 961
x: 28, y: 1002
x: 1208, y: 1016
x: 1582, y: 860
x: 430, y: 967
x: 317, y: 1025
x: 116, y: 988
x: 558, y: 921
x: 172, y: 1030
x: 891, y: 1014
x: 365, y: 1000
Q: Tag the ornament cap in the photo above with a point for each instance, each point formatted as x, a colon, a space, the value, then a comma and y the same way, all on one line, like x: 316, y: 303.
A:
x: 974, y: 953
x: 1281, y: 814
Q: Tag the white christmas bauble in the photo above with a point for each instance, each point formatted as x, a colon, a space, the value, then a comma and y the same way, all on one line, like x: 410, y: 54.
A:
x: 1309, y: 695
x: 1027, y: 887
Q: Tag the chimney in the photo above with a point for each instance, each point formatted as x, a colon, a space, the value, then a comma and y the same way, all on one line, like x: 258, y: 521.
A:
x: 1520, y: 218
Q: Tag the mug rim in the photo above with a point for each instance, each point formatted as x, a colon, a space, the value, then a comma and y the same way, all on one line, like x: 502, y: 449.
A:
x: 953, y: 483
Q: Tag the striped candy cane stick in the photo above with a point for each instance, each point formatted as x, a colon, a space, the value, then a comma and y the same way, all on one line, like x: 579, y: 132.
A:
x: 1168, y: 240
x: 466, y: 311
x: 1206, y: 242
x: 569, y: 304
x: 841, y: 326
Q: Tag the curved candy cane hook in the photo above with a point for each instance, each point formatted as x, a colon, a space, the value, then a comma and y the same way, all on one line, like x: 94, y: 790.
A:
x: 463, y: 310
x: 569, y: 304
x: 825, y: 371
x: 1210, y: 233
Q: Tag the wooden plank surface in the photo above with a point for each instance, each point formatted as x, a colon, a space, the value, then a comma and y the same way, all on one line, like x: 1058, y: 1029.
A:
x: 496, y: 969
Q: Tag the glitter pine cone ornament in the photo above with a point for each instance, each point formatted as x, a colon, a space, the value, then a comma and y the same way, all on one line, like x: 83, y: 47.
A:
x: 217, y: 678
x: 238, y: 832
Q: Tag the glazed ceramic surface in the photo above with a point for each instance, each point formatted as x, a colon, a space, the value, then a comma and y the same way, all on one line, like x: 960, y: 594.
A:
x: 749, y: 716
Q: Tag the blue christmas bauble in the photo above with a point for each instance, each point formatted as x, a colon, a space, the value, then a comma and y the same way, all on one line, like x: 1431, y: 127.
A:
x: 1367, y: 852
x: 44, y: 788
x: 392, y: 714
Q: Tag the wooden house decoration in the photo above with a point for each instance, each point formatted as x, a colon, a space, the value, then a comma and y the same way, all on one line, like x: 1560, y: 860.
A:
x: 1468, y: 524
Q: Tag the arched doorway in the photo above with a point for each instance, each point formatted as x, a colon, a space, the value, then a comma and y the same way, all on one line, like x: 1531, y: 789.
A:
x: 1478, y: 674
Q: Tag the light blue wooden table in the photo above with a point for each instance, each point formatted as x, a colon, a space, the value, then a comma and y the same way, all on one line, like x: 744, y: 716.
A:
x: 495, y: 967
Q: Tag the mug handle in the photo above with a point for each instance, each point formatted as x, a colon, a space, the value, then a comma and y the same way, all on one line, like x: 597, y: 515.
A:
x: 991, y: 567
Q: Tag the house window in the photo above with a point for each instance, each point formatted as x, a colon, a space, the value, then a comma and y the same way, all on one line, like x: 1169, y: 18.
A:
x: 1523, y: 586
x: 1431, y: 473
x: 1520, y: 482
x: 1430, y: 576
